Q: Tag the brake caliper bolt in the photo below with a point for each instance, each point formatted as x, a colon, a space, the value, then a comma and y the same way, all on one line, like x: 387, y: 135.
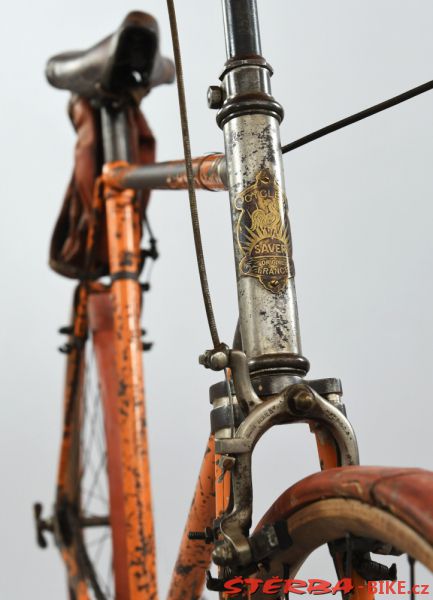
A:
x: 218, y: 361
x: 302, y: 401
x: 207, y: 535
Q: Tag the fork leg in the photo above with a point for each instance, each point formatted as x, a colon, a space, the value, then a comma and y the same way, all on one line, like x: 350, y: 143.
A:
x: 329, y: 459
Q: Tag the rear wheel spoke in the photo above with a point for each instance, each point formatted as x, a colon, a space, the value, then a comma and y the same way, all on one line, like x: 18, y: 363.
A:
x: 93, y: 487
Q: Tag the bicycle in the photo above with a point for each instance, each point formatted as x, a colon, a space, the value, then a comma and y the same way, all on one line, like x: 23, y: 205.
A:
x: 266, y: 283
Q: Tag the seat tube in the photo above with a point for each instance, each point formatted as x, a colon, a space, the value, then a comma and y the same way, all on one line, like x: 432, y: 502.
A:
x: 135, y: 570
x: 250, y: 118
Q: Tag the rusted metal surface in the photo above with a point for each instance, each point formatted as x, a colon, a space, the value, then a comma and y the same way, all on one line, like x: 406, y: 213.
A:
x: 73, y: 382
x: 94, y: 230
x: 69, y: 464
x: 76, y: 583
x: 101, y: 325
x: 66, y: 480
x: 195, y: 555
x: 209, y: 174
x: 123, y: 226
x: 268, y: 321
x: 222, y: 485
x: 70, y: 467
x: 113, y: 318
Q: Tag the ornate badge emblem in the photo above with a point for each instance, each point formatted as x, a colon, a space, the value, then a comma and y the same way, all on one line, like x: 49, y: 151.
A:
x: 263, y: 233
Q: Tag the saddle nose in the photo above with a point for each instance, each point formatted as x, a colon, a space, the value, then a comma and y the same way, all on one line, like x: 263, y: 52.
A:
x: 126, y: 63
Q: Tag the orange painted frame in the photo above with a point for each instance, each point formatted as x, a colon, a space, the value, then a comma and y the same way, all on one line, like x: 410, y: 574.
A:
x: 94, y: 308
x: 69, y: 460
x: 113, y: 317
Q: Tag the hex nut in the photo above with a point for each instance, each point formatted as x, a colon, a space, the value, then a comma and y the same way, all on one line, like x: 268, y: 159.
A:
x: 214, y: 96
x: 302, y: 401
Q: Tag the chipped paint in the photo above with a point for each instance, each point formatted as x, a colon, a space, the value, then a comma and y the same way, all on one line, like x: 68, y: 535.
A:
x: 195, y: 555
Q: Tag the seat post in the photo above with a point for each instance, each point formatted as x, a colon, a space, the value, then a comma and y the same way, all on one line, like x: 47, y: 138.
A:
x: 115, y: 134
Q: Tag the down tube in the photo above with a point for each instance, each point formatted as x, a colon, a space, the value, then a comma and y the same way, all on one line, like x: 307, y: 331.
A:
x: 194, y: 556
x: 101, y: 324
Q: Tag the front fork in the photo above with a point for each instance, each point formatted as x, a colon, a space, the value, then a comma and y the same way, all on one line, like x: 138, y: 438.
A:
x: 268, y: 376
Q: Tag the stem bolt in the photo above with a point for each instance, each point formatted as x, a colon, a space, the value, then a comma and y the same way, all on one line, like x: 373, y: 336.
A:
x: 214, y: 96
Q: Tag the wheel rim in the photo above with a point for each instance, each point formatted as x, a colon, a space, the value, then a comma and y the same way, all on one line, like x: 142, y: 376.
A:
x: 328, y: 520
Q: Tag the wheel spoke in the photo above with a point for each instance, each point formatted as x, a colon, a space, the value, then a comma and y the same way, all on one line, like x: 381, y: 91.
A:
x: 99, y: 540
x: 102, y: 463
x: 94, y: 486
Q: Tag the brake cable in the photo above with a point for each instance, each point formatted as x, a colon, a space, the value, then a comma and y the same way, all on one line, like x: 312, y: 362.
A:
x: 190, y: 177
x: 359, y: 116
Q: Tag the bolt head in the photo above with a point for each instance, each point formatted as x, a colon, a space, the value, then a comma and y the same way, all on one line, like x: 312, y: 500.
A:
x: 226, y: 463
x: 214, y: 96
x: 218, y: 361
x: 302, y: 401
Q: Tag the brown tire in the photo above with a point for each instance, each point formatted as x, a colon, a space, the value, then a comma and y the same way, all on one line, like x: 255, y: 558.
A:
x: 390, y: 505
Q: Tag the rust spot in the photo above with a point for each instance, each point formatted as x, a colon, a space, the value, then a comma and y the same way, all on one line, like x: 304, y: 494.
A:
x: 126, y: 259
x: 194, y: 556
x: 184, y: 569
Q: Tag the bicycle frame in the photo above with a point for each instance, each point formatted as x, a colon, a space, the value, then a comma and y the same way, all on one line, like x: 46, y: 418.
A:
x: 268, y: 364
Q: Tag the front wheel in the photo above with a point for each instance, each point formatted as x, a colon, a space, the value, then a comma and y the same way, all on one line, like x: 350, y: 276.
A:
x: 388, y: 511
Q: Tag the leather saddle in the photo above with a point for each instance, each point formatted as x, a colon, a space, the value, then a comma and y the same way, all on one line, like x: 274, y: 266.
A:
x: 121, y: 69
x: 125, y: 64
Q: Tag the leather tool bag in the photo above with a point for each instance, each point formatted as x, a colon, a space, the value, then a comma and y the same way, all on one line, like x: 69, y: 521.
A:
x: 83, y: 200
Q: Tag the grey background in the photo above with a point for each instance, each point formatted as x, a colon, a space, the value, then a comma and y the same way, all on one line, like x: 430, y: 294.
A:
x: 361, y: 212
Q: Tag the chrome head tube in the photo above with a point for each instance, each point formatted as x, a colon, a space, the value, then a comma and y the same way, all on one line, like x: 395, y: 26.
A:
x: 250, y: 118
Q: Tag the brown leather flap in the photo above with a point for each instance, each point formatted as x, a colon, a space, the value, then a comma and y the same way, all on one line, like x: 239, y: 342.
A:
x: 82, y: 202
